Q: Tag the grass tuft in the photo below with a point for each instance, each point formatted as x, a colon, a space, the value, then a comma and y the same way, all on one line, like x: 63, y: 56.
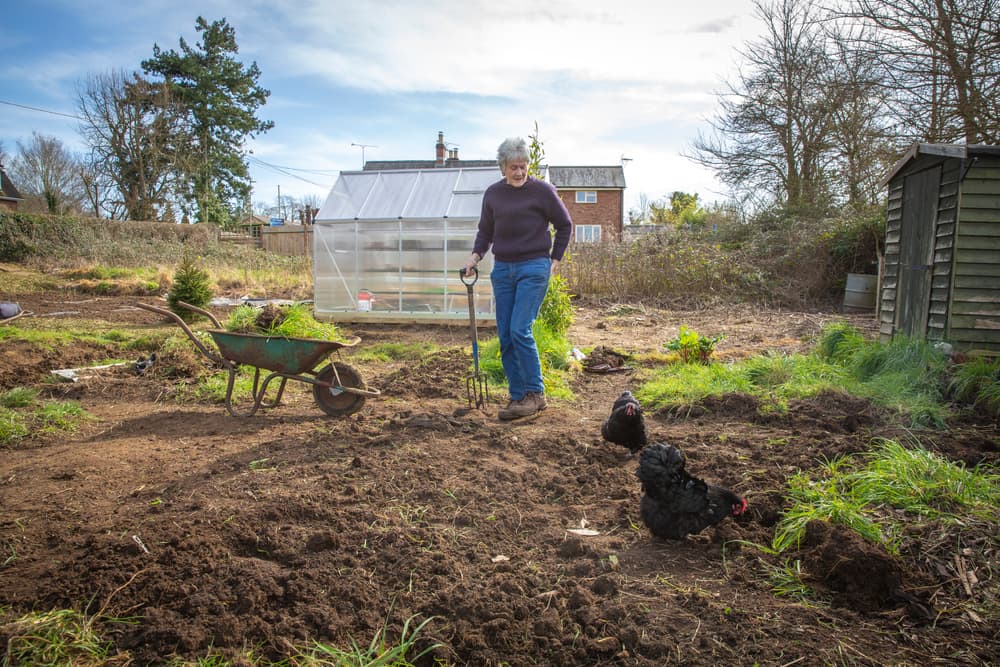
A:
x: 855, y: 491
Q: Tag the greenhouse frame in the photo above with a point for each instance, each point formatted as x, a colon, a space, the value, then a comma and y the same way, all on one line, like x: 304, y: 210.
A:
x: 388, y: 246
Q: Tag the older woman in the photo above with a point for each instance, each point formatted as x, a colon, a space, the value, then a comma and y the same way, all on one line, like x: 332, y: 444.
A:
x: 517, y: 213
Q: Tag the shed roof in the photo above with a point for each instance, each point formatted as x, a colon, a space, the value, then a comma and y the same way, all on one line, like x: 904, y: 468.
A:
x: 7, y: 189
x: 959, y: 151
x: 587, y: 177
x: 408, y: 194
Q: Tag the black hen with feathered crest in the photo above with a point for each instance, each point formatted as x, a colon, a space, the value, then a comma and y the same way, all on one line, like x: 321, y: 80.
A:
x: 626, y: 426
x: 675, y: 504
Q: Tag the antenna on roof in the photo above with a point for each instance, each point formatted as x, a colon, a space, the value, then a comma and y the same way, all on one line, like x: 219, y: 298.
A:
x: 363, y: 147
x: 625, y: 160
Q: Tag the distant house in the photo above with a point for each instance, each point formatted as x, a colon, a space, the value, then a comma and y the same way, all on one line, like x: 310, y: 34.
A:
x: 10, y: 198
x: 595, y: 198
x: 251, y: 224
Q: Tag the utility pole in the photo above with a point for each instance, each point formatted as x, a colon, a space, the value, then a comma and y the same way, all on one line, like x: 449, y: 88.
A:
x: 363, y: 147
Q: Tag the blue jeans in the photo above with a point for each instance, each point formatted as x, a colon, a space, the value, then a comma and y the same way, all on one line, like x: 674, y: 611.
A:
x: 518, y: 291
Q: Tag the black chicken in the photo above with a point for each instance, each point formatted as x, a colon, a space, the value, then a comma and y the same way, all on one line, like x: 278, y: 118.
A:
x: 626, y: 425
x: 674, y: 503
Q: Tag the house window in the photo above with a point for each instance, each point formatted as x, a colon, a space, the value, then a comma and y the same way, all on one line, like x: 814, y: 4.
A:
x: 588, y: 233
x: 586, y: 196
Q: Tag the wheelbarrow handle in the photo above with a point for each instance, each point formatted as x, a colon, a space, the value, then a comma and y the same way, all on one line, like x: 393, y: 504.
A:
x: 475, y: 277
x: 190, y: 334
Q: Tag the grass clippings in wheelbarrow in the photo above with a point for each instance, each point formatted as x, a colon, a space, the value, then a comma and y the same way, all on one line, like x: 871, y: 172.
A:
x: 285, y: 321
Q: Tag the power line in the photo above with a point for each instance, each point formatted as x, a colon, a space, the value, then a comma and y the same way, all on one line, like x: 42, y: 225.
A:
x: 54, y: 113
x: 284, y: 171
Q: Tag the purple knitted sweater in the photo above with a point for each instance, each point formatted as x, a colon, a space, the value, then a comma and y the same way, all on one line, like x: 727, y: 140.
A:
x: 515, y: 221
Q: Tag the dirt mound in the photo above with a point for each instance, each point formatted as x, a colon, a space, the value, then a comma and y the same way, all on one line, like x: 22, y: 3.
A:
x: 855, y: 573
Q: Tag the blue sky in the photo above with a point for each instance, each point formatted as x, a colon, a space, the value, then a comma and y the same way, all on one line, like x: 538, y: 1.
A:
x: 603, y: 80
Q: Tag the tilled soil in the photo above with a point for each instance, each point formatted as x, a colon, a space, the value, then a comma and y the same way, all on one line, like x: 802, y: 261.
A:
x: 257, y: 534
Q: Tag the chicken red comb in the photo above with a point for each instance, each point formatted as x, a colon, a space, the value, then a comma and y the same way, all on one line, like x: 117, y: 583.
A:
x: 740, y: 507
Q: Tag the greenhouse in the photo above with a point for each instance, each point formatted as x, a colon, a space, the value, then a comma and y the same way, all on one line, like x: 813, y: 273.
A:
x: 388, y: 245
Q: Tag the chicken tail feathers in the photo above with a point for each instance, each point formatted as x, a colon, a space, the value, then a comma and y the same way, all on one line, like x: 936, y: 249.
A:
x: 661, y: 467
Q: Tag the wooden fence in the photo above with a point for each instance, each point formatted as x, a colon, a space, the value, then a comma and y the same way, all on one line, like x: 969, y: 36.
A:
x: 292, y: 240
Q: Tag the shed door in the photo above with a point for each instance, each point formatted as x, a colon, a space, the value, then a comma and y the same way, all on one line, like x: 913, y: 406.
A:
x: 916, y: 251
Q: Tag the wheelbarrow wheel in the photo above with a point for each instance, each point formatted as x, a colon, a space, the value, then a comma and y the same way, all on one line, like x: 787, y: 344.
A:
x: 343, y: 403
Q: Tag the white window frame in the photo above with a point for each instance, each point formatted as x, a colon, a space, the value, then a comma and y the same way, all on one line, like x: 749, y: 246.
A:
x: 587, y: 233
x: 586, y: 196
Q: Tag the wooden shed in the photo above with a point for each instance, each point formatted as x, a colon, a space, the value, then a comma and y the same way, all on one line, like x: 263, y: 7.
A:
x: 941, y: 274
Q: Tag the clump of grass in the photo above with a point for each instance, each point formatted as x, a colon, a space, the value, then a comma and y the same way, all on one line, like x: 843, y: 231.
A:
x: 385, y: 352
x: 21, y: 412
x: 53, y: 338
x: 905, y: 376
x: 977, y: 383
x: 684, y: 384
x: 13, y: 426
x: 54, y: 416
x: 18, y: 397
x: 287, y: 321
x: 59, y: 637
x: 853, y: 492
x: 378, y: 653
x: 839, y: 341
x: 787, y: 580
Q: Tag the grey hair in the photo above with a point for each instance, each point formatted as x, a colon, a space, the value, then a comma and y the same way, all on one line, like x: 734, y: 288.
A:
x: 512, y: 148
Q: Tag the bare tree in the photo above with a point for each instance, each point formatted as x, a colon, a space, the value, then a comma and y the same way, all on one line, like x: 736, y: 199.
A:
x: 861, y: 146
x: 770, y: 141
x: 139, y: 141
x: 48, y: 175
x: 940, y: 61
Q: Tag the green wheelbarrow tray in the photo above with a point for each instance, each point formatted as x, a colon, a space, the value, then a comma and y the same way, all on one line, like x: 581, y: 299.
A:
x: 337, y: 388
x: 290, y: 356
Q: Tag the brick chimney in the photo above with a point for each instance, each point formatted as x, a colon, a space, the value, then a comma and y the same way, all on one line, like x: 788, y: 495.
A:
x: 439, y: 151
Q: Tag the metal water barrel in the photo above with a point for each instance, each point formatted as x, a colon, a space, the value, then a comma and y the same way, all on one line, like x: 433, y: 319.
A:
x: 860, y: 291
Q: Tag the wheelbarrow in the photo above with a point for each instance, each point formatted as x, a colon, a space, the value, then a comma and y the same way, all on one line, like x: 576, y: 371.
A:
x: 338, y: 388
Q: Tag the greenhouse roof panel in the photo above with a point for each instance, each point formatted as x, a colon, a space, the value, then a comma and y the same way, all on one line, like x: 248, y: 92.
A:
x: 408, y: 194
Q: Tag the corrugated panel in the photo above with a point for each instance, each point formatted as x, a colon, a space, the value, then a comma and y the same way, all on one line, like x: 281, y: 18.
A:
x: 417, y: 194
x: 346, y: 197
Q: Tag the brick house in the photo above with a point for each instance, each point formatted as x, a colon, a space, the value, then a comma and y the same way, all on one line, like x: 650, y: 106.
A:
x: 595, y: 198
x: 10, y: 198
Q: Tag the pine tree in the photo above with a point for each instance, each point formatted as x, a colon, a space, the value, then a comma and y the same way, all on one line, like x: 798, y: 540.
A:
x: 222, y: 97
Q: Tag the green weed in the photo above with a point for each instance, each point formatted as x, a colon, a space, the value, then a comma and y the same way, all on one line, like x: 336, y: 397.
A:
x: 853, y: 491
x: 378, y: 653
x: 692, y: 347
x: 13, y: 426
x: 385, y: 352
x: 18, y: 397
x: 977, y: 382
x: 58, y: 638
x: 60, y: 416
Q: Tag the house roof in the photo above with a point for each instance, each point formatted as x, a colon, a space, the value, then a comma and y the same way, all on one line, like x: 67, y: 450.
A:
x: 408, y: 194
x: 960, y: 151
x: 7, y: 189
x: 256, y: 219
x: 383, y: 165
x: 587, y: 177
